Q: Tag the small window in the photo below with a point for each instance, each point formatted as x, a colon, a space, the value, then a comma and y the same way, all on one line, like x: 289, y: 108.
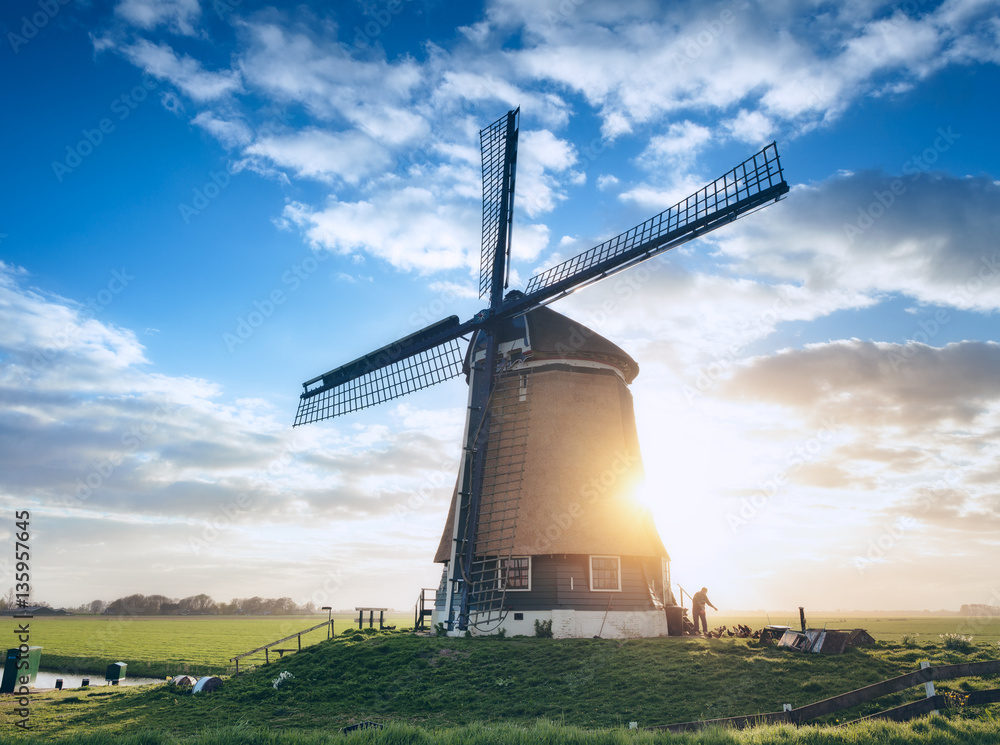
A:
x: 515, y: 573
x: 605, y: 573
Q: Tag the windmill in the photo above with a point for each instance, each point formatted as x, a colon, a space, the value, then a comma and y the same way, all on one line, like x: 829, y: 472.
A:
x: 509, y: 343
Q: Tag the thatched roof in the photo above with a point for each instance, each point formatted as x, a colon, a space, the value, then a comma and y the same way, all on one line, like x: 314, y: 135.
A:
x: 553, y: 336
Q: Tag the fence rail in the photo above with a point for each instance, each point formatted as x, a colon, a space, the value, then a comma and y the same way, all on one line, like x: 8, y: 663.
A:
x: 868, y: 693
x: 266, y: 647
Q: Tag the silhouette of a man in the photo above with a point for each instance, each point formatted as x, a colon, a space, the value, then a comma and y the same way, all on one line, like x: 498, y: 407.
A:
x: 698, y: 601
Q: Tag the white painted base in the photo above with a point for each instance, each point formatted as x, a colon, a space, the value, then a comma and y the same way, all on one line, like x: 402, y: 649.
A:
x: 577, y: 624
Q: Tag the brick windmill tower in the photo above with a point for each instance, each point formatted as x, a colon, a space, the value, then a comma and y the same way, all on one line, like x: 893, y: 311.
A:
x: 558, y: 509
x: 543, y: 523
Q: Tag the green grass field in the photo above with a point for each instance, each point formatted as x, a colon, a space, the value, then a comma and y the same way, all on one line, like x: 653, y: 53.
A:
x: 489, y: 690
x: 171, y: 645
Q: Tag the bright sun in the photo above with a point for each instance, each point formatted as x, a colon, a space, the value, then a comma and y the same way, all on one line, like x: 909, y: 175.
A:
x: 690, y: 468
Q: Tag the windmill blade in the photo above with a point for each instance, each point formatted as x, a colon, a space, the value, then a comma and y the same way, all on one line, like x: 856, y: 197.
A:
x: 749, y: 186
x: 499, y: 146
x: 431, y: 355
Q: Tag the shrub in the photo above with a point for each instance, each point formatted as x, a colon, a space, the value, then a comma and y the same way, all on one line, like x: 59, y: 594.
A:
x: 958, y: 643
x: 543, y: 629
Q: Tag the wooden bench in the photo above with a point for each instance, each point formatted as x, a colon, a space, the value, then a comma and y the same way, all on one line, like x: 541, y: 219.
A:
x: 371, y: 617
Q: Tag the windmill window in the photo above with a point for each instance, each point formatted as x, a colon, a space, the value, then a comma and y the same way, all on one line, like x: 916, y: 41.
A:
x: 515, y: 573
x: 605, y: 573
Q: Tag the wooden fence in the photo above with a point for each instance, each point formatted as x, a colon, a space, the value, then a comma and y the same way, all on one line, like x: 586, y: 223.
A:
x: 925, y: 676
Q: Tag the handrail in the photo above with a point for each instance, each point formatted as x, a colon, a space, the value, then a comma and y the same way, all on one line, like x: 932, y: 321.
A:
x: 264, y: 649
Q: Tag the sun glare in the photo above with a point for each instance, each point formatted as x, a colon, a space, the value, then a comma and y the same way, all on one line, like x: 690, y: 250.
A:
x: 692, y: 469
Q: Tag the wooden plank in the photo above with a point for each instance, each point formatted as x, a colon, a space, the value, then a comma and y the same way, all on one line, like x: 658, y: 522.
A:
x: 908, y: 711
x: 977, y: 698
x: 290, y: 636
x: 862, y: 695
x: 932, y: 703
x: 893, y: 685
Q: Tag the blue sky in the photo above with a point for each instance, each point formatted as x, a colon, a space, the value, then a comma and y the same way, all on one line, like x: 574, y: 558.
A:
x: 207, y: 203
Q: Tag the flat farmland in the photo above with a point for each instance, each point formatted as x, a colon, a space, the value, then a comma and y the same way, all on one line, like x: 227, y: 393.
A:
x: 171, y: 645
x: 157, y: 646
x: 884, y: 627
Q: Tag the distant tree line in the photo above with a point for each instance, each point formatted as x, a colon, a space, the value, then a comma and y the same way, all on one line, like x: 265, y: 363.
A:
x: 161, y: 605
x: 979, y: 609
x: 10, y: 601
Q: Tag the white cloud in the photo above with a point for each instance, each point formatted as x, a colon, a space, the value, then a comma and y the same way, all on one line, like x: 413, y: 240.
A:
x: 160, y: 61
x: 925, y: 235
x: 94, y: 437
x: 640, y: 63
x: 606, y: 181
x: 465, y: 84
x: 678, y: 147
x: 657, y: 197
x: 323, y: 155
x: 750, y: 126
x: 179, y: 16
x: 322, y: 75
x: 231, y: 132
x: 541, y: 157
x: 410, y: 228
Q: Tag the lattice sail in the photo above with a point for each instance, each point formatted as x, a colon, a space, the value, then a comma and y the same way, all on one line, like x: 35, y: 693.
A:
x: 492, y: 565
x: 749, y: 185
x: 497, y: 193
x: 382, y: 383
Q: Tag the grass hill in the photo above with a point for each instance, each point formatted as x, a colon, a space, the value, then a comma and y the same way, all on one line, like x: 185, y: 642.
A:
x: 440, y: 687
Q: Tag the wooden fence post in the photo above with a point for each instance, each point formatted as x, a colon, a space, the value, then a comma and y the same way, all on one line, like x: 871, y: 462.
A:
x: 929, y: 685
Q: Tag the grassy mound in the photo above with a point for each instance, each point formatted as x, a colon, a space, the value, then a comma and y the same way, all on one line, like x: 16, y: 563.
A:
x: 427, y: 687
